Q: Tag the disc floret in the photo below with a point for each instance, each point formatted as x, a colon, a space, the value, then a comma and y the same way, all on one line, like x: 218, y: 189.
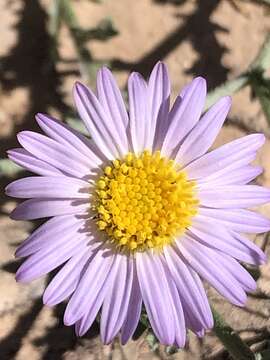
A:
x: 143, y: 202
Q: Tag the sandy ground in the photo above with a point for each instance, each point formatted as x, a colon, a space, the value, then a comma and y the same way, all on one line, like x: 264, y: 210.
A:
x: 216, y: 39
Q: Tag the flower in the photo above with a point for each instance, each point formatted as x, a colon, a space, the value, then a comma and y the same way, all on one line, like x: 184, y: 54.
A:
x: 141, y: 211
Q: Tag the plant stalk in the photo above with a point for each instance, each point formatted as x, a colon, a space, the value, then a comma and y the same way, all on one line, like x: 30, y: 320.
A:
x: 230, y: 339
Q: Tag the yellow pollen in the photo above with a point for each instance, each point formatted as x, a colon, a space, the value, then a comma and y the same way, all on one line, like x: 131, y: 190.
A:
x: 143, y: 202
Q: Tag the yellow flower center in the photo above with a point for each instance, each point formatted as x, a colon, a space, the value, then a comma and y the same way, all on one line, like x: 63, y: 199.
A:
x: 143, y: 202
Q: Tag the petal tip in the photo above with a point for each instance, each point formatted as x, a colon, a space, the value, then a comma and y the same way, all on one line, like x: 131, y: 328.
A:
x: 13, y: 215
x: 226, y: 101
x: 262, y: 258
x: 23, y: 135
x: 68, y: 319
x: 11, y: 152
x: 262, y: 136
x: 104, y: 70
x: 106, y: 341
x: 160, y: 64
x: 123, y: 340
x: 40, y: 116
x: 21, y: 277
x: 19, y: 252
x: 7, y: 189
x: 198, y: 85
x: 135, y: 76
x: 78, y: 84
x: 48, y: 299
x: 78, y: 87
x: 44, y: 119
x: 16, y: 214
x: 78, y: 331
x: 200, y: 81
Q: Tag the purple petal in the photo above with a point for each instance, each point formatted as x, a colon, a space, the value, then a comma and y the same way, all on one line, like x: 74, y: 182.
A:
x: 235, y: 177
x: 66, y: 280
x: 178, y: 315
x: 40, y: 208
x: 49, y: 258
x: 101, y: 128
x: 112, y: 102
x: 89, y: 287
x: 234, y: 196
x: 190, y: 288
x: 200, y: 333
x: 116, y: 301
x: 139, y: 113
x: 86, y: 321
x: 49, y: 187
x: 184, y: 115
x: 56, y: 154
x: 31, y: 163
x: 203, y: 135
x: 206, y: 262
x: 244, y: 279
x: 67, y: 136
x: 155, y: 294
x: 239, y: 220
x: 258, y: 255
x: 51, y: 232
x: 83, y: 325
x: 235, y: 154
x: 180, y: 328
x: 192, y: 322
x: 159, y: 101
x: 217, y: 236
x: 134, y: 310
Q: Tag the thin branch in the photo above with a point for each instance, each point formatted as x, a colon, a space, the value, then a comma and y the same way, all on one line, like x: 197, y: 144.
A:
x: 230, y: 339
x: 261, y: 63
x: 54, y: 28
x: 84, y: 55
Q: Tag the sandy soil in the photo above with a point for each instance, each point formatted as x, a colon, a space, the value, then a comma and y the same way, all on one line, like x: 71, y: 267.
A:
x: 216, y: 39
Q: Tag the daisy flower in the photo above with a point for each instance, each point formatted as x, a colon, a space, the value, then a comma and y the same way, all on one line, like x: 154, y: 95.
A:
x: 141, y: 212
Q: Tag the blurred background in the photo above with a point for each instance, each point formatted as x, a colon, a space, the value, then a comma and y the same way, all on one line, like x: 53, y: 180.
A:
x: 45, y: 46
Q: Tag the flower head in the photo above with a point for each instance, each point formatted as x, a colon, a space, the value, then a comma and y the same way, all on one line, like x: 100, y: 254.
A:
x: 141, y: 211
x: 143, y: 202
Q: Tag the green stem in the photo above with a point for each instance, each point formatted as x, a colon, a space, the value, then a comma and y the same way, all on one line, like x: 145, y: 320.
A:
x: 262, y: 2
x: 228, y: 88
x: 8, y: 168
x: 231, y: 340
x: 53, y: 28
x: 85, y: 56
x: 261, y: 63
x: 264, y: 355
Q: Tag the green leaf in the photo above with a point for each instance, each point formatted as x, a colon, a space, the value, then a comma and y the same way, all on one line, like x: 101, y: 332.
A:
x: 261, y: 89
x: 230, y: 339
x: 103, y: 31
x: 170, y: 350
x: 264, y: 355
x: 253, y: 270
x: 260, y: 64
x: 152, y: 341
x: 262, y: 61
x: 144, y: 319
x: 228, y: 88
x: 78, y: 125
x: 54, y: 29
x: 8, y: 168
